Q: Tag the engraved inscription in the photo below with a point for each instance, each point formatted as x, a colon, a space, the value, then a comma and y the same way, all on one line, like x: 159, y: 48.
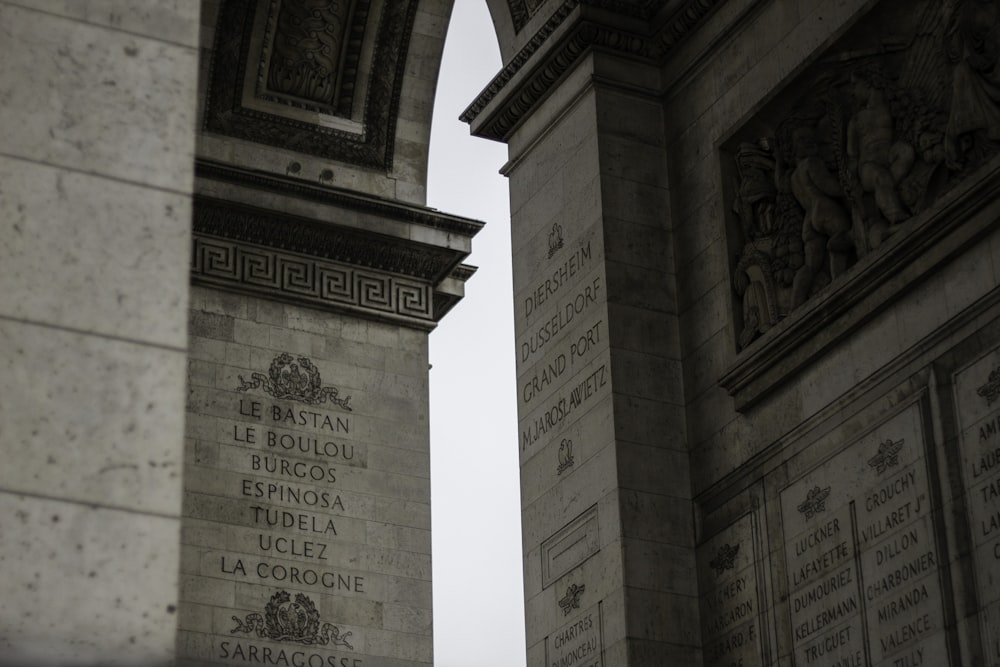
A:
x: 863, y: 573
x: 976, y: 389
x: 580, y: 643
x: 730, y: 605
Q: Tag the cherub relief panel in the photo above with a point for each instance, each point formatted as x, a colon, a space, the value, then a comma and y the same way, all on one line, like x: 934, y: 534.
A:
x: 901, y: 109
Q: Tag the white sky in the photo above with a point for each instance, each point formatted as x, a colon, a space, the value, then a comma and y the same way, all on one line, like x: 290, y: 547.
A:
x: 475, y: 496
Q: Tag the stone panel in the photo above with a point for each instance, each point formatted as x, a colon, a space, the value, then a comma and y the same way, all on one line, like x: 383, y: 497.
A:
x: 68, y: 594
x: 86, y: 113
x: 977, y: 389
x: 306, y: 512
x: 729, y: 587
x: 129, y: 256
x: 861, y: 557
x: 55, y: 426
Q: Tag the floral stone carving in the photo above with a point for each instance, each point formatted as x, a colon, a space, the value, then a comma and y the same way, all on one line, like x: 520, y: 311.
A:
x: 885, y: 124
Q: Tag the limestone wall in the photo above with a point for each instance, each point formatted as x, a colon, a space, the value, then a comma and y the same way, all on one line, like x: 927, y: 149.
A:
x: 837, y: 449
x: 96, y: 169
x: 303, y: 496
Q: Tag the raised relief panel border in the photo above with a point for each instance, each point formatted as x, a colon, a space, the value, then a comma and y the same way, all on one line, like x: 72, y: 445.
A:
x: 580, y: 642
x: 865, y: 569
x: 871, y: 170
x: 573, y: 544
x: 731, y: 590
x: 975, y: 394
x: 273, y: 117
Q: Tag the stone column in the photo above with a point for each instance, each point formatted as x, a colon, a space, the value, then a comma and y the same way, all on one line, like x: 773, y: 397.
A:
x: 606, y: 509
x: 96, y: 142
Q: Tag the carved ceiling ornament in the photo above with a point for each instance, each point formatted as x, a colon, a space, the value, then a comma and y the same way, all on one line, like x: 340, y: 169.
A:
x: 313, y: 52
x: 873, y: 134
x: 277, y: 63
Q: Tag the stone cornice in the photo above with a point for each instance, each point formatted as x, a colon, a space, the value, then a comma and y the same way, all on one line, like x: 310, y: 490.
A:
x: 342, y: 269
x: 506, y: 102
x: 339, y: 197
x: 312, y: 238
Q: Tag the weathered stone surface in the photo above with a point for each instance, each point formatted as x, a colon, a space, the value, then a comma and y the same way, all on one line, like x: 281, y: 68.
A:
x: 85, y: 584
x: 302, y: 490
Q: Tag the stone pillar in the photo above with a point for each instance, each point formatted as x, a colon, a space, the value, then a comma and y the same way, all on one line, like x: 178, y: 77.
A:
x: 606, y: 504
x: 307, y: 524
x: 96, y: 156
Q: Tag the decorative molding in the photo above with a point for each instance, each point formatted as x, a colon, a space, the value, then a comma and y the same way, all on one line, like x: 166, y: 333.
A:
x: 243, y: 224
x: 287, y: 276
x: 570, y: 546
x: 347, y: 199
x: 582, y: 37
x: 226, y: 114
x: 520, y: 12
x: 325, y: 265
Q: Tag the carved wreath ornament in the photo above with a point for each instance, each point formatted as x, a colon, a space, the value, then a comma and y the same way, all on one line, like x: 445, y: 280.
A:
x: 725, y: 559
x: 571, y: 600
x: 293, y: 381
x: 815, y: 501
x: 298, y: 621
x: 991, y: 389
x: 887, y: 456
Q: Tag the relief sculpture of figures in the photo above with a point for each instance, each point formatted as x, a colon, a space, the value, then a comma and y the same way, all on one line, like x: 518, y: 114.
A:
x: 883, y: 125
x: 879, y: 161
x: 826, y: 227
x: 972, y: 45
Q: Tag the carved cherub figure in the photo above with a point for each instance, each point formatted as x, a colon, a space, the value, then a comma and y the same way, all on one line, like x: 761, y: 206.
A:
x: 826, y: 226
x: 879, y: 162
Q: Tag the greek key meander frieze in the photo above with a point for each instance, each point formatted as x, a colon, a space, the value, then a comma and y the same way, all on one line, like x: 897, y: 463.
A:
x: 322, y: 282
x: 867, y: 140
x: 224, y: 220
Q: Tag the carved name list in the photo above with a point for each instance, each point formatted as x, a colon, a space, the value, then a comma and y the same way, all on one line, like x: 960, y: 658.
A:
x: 563, y: 331
x: 281, y: 520
x: 730, y: 604
x: 861, y: 557
x: 978, y: 397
